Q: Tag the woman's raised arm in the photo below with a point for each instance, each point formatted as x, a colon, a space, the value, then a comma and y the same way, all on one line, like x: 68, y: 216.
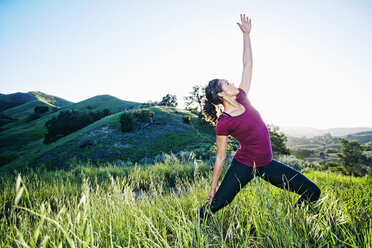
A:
x: 245, y: 26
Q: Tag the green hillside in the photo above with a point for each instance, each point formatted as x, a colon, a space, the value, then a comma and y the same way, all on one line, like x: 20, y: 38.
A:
x: 23, y: 106
x: 22, y: 111
x: 38, y: 98
x: 24, y: 136
x: 12, y: 100
x: 361, y: 137
x: 103, y: 139
x: 92, y: 104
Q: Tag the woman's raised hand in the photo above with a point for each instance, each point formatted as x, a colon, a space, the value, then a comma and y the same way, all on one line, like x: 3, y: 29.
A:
x: 245, y: 26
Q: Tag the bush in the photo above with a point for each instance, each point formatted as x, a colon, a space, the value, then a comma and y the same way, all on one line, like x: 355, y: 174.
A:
x: 186, y: 119
x: 332, y: 164
x: 99, y: 114
x: 143, y: 115
x: 295, y: 163
x: 150, y: 103
x: 68, y: 122
x: 128, y: 119
x: 126, y: 122
x: 41, y: 109
x: 331, y: 150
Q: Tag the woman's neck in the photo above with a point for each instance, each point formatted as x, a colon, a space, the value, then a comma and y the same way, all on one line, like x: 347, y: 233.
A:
x: 230, y: 104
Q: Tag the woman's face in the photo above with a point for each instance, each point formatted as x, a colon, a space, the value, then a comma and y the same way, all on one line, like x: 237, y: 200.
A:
x: 228, y: 88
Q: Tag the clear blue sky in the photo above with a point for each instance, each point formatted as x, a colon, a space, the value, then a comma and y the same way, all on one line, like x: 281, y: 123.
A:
x: 311, y: 59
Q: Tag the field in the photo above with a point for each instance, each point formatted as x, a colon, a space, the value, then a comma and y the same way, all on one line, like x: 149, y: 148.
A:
x: 156, y: 206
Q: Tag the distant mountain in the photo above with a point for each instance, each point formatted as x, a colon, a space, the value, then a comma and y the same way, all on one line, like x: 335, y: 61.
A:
x: 309, y: 132
x: 18, y: 107
x: 19, y: 98
x: 13, y: 100
x: 361, y: 137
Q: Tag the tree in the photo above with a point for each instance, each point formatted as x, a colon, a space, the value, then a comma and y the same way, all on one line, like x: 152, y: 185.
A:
x: 195, y: 98
x: 367, y: 146
x: 278, y: 140
x: 41, y: 109
x: 351, y: 155
x: 127, y: 122
x: 68, y: 122
x: 169, y: 100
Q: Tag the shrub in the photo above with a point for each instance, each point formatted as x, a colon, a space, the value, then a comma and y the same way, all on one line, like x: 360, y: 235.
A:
x: 331, y: 150
x: 331, y: 164
x: 41, y: 109
x: 295, y: 163
x: 126, y: 122
x: 186, y: 119
x: 143, y: 115
x: 150, y: 103
x: 68, y: 122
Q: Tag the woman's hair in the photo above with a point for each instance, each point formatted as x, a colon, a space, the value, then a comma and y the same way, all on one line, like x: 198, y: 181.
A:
x: 211, y: 100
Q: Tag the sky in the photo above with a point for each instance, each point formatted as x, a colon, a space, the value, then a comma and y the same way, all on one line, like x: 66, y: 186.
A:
x: 311, y: 59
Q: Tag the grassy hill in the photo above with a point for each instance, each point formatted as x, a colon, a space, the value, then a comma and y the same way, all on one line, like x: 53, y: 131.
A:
x: 35, y: 97
x: 103, y: 139
x: 309, y: 132
x: 361, y: 137
x: 317, y: 144
x: 12, y: 100
x: 18, y: 136
x: 16, y: 108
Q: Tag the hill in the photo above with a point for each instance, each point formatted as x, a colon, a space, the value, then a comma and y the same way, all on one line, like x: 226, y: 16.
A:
x: 21, y: 137
x: 103, y: 139
x: 309, y: 132
x: 361, y: 137
x: 16, y: 99
x: 16, y: 108
x: 13, y: 100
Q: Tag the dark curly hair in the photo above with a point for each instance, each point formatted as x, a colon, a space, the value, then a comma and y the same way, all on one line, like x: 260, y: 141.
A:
x: 211, y: 100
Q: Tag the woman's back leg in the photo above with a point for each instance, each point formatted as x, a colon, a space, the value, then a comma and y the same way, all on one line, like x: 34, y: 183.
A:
x: 285, y: 177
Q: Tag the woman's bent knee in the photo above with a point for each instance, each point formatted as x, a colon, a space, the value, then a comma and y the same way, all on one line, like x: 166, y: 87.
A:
x: 316, y: 193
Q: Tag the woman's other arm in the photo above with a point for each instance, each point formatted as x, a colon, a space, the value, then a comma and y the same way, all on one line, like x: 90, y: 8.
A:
x: 218, y: 165
x: 245, y: 26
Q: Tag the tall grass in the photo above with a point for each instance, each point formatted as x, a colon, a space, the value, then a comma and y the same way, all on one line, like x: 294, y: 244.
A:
x: 156, y: 206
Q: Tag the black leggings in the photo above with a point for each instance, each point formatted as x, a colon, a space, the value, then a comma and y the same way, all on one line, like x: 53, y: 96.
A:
x: 277, y: 173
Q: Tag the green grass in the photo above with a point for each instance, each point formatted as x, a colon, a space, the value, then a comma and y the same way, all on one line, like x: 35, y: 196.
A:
x: 156, y: 206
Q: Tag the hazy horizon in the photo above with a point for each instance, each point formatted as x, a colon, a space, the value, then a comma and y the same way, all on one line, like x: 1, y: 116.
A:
x: 310, y: 59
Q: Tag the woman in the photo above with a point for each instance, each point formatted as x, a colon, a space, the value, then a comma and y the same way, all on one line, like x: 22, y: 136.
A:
x: 242, y: 121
